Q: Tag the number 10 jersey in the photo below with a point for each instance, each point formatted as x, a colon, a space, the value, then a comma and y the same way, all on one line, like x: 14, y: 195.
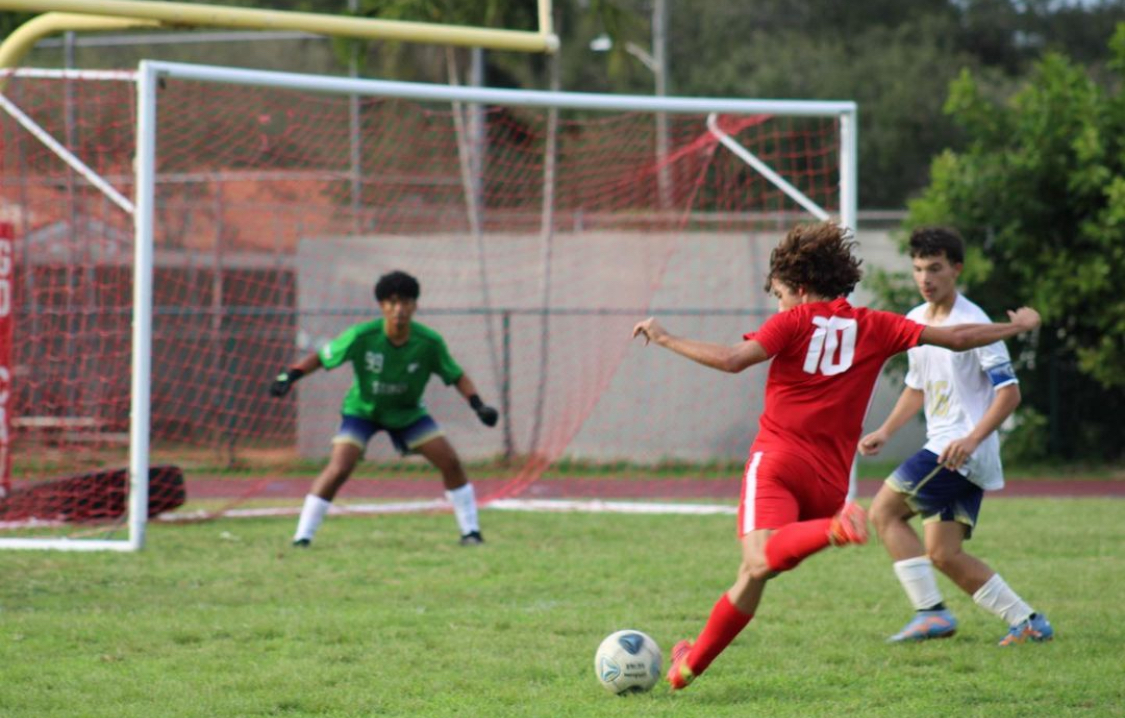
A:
x: 826, y: 359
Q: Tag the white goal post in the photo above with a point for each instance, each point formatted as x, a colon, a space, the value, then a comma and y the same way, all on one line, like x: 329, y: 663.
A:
x: 148, y: 79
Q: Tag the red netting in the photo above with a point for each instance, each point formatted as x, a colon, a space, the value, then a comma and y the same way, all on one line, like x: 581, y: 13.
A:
x: 277, y: 211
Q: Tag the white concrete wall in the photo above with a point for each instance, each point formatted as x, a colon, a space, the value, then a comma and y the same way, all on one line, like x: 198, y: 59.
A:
x: 648, y: 405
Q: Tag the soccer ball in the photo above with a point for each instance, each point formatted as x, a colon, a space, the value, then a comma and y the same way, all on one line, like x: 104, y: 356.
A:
x: 628, y: 662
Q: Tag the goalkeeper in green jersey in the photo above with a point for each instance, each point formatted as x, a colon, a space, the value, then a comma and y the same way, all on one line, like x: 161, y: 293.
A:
x: 393, y: 359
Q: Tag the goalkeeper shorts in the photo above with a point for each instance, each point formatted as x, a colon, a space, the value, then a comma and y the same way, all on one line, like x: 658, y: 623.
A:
x: 358, y: 431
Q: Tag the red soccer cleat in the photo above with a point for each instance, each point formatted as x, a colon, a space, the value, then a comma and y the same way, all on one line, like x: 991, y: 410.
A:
x: 848, y: 526
x: 680, y: 675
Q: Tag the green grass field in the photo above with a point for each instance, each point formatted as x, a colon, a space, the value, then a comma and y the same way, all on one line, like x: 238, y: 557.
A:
x: 387, y: 616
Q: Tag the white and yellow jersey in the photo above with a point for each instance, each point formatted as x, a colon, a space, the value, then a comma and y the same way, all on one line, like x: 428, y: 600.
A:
x: 959, y: 387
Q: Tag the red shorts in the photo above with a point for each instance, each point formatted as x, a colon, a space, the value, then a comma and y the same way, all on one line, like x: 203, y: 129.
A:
x: 779, y: 488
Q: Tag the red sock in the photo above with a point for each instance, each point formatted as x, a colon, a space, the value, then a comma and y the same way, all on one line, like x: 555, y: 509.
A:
x: 793, y: 543
x: 725, y: 623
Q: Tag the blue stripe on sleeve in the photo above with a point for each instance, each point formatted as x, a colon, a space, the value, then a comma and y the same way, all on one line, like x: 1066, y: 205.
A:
x: 1001, y: 375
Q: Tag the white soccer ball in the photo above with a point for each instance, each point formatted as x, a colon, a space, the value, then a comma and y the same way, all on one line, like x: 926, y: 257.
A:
x: 628, y: 662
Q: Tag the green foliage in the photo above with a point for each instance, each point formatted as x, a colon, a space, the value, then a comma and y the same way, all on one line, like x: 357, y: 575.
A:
x: 894, y: 59
x: 1039, y: 195
x: 1027, y: 441
x: 724, y: 54
x: 9, y: 21
x: 894, y: 292
x: 387, y: 616
x: 489, y: 13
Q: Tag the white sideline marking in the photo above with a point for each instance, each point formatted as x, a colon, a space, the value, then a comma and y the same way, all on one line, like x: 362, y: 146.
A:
x: 586, y: 506
x: 594, y: 506
x: 31, y: 523
x: 399, y: 508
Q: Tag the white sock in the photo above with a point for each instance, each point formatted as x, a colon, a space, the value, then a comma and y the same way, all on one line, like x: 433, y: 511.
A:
x: 995, y: 596
x: 917, y: 578
x: 312, y: 514
x: 464, y: 502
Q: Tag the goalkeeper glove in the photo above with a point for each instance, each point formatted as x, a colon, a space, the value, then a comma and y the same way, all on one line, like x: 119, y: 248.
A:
x: 284, y: 382
x: 487, y: 415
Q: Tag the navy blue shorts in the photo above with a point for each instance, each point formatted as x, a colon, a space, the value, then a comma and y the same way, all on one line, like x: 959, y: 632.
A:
x: 935, y: 492
x: 357, y: 431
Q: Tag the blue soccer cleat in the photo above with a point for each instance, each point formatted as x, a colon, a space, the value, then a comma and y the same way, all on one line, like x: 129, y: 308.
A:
x: 1036, y: 629
x: 926, y: 625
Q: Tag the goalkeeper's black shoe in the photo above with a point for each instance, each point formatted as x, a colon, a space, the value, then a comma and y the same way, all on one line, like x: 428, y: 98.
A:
x: 473, y: 538
x: 302, y: 543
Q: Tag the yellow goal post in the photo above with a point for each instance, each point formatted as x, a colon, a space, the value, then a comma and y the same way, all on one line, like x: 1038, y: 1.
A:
x: 63, y: 15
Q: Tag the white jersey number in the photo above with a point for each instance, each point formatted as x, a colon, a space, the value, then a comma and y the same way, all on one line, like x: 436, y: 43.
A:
x: 832, y: 335
x: 938, y: 396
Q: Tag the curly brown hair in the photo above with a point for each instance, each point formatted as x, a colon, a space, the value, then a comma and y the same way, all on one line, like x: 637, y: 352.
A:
x: 817, y: 257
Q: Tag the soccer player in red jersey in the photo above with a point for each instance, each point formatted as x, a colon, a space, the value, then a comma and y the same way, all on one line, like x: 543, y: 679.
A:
x: 827, y: 356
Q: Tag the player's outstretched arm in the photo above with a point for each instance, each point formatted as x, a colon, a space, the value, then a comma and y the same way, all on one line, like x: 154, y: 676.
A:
x: 487, y: 415
x: 961, y: 337
x: 726, y: 358
x: 288, y: 377
x: 908, y: 405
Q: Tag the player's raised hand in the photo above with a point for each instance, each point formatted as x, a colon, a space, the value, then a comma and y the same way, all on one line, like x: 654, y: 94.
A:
x: 487, y: 415
x: 872, y: 444
x: 651, y: 330
x: 284, y: 382
x: 1025, y: 317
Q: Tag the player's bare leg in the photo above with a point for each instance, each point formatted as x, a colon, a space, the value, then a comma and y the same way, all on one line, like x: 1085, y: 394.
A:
x: 753, y: 572
x: 342, y: 462
x: 891, y: 515
x: 345, y: 455
x: 944, y: 541
x: 439, y: 452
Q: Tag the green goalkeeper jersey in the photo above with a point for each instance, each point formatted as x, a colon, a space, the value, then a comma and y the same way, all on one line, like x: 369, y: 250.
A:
x: 389, y: 379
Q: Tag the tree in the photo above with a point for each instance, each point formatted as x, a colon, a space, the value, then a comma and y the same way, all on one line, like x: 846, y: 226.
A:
x: 896, y: 66
x: 1039, y: 195
x: 10, y: 21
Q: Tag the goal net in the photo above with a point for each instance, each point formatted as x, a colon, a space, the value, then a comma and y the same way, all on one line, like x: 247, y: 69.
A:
x: 171, y: 238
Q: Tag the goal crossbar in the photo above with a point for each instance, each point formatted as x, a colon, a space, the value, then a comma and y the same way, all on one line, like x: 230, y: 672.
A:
x: 513, y: 98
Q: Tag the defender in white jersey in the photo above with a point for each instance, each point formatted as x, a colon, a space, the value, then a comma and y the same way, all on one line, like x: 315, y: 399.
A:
x: 959, y: 388
x: 966, y: 396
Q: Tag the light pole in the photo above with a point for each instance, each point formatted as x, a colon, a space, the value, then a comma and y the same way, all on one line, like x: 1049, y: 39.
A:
x: 657, y: 63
